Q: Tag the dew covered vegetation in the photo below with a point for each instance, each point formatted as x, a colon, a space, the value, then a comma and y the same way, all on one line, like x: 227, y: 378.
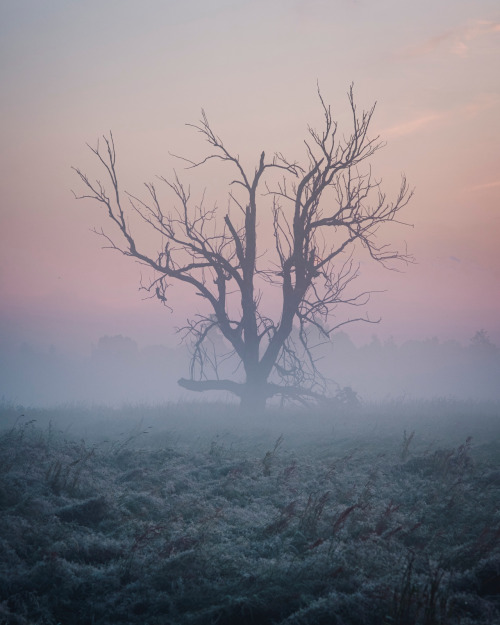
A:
x: 190, y: 513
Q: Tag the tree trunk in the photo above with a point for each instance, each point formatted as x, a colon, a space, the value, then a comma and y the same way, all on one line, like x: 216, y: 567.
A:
x: 252, y: 404
x: 253, y: 398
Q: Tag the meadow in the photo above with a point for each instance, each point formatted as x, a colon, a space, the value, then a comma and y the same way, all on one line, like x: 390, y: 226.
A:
x: 192, y: 514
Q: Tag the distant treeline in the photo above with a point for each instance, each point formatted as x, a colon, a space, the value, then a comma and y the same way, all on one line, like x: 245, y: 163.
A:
x: 119, y: 371
x: 417, y: 369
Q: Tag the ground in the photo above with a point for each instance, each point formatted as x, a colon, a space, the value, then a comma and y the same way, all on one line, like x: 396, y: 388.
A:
x: 186, y: 514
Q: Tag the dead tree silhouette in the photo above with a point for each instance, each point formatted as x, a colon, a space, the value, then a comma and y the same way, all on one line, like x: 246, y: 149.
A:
x: 322, y: 213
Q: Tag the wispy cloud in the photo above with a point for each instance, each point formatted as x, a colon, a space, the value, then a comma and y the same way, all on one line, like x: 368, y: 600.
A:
x: 421, y: 120
x: 456, y: 41
x: 412, y: 126
x: 485, y: 185
x: 481, y: 102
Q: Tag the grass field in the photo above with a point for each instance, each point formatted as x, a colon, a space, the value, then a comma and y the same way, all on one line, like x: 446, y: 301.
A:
x: 191, y: 514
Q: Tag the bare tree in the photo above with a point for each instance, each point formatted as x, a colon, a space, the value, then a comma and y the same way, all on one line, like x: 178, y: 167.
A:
x: 322, y: 213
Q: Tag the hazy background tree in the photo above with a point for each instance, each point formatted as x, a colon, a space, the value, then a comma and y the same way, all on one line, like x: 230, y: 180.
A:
x: 323, y: 213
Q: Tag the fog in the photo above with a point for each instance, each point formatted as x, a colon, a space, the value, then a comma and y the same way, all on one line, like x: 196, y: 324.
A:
x: 116, y: 370
x: 126, y: 499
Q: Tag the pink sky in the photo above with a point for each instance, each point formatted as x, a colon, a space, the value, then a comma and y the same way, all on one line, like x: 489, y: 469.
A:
x: 71, y: 71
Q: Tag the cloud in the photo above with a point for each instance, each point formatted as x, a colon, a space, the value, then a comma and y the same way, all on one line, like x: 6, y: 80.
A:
x: 412, y: 126
x: 456, y: 41
x: 482, y: 102
x: 428, y: 46
x: 485, y: 185
x: 479, y: 104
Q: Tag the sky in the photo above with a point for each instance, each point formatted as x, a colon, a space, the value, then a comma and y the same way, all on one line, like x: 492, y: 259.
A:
x: 71, y: 71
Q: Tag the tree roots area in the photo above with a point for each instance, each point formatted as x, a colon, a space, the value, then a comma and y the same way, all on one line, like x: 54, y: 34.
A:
x: 190, y: 514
